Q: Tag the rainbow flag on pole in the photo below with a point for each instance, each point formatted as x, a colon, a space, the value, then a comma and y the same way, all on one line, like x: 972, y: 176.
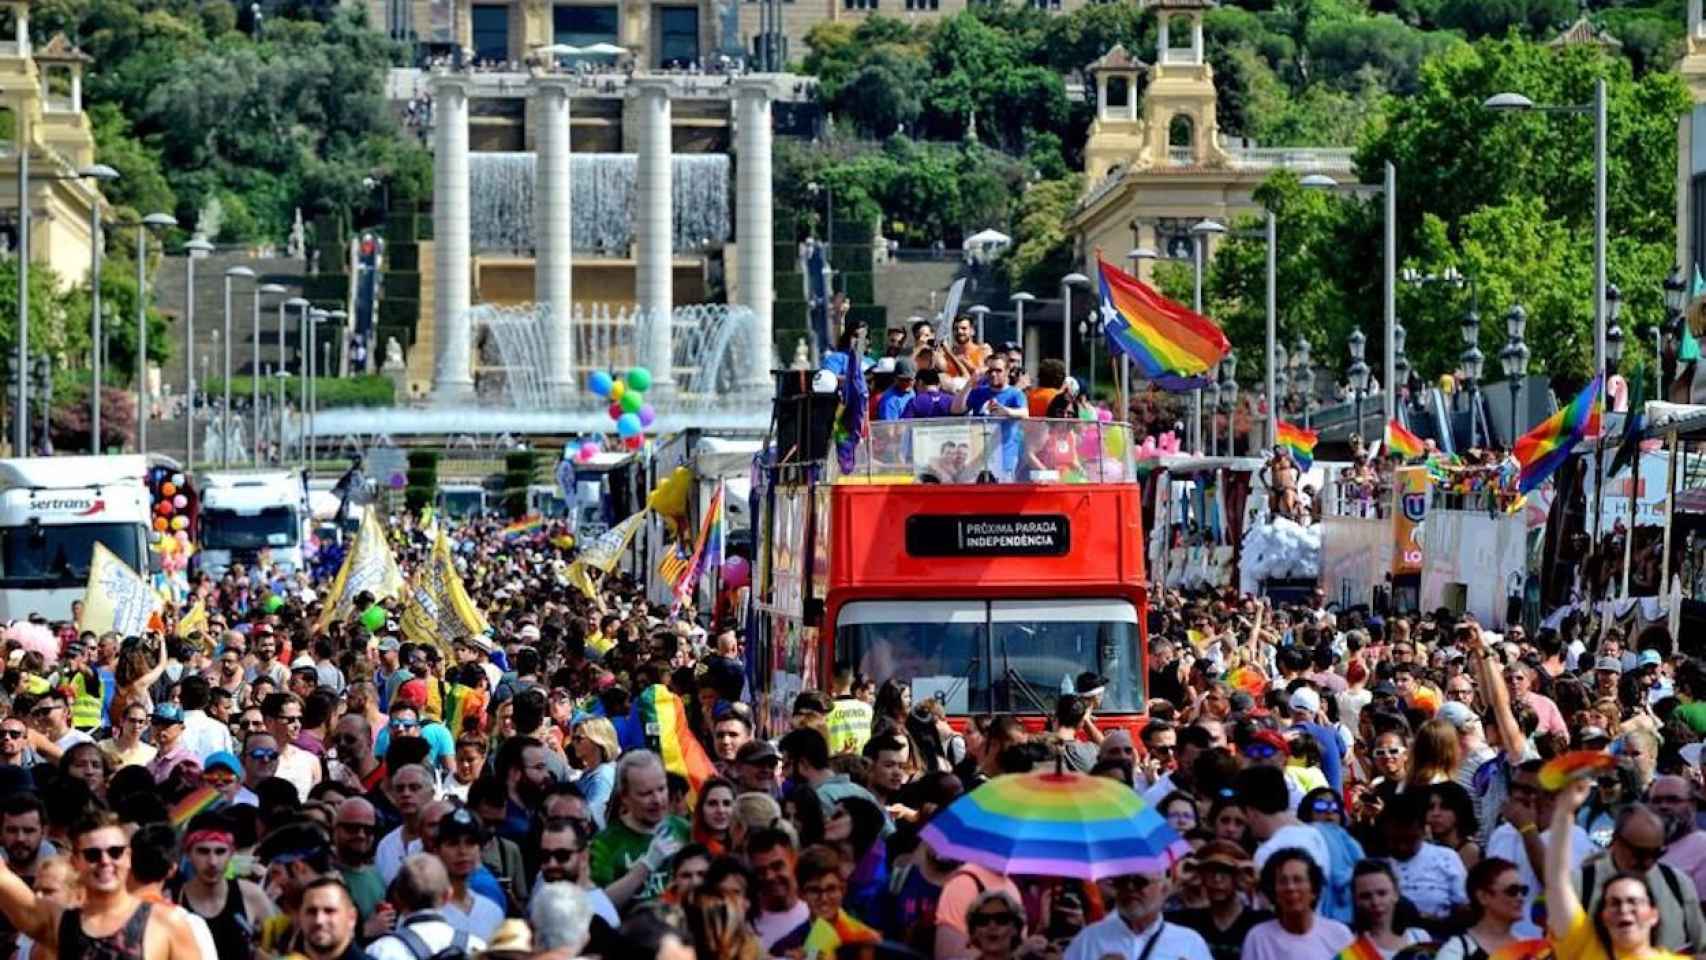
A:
x: 1298, y: 442
x: 523, y: 527
x: 1165, y: 340
x: 194, y: 802
x: 1401, y: 441
x: 662, y: 719
x: 707, y: 551
x: 1362, y: 948
x: 1546, y: 447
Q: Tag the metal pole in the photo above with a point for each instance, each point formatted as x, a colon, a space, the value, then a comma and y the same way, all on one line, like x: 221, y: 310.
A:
x: 1670, y: 495
x: 189, y: 354
x: 1516, y: 387
x: 304, y: 348
x: 325, y: 364
x: 1019, y: 331
x: 225, y: 414
x: 255, y: 383
x: 313, y: 391
x: 1066, y: 325
x: 281, y: 375
x: 1273, y: 335
x: 142, y: 339
x: 1196, y: 304
x: 1599, y: 174
x: 21, y: 415
x: 1388, y: 390
x: 95, y: 326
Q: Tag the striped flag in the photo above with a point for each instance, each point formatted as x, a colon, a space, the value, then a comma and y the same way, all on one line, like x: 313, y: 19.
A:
x: 707, y: 551
x: 662, y: 719
x: 677, y: 560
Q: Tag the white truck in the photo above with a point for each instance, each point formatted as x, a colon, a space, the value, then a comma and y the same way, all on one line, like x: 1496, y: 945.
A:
x: 52, y: 512
x: 248, y: 516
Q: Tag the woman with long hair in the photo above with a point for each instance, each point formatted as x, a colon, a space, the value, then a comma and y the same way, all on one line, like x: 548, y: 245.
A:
x: 1434, y: 755
x: 1452, y: 822
x: 1496, y: 897
x: 594, y: 749
x: 1622, y: 920
x: 713, y: 818
x: 855, y: 830
x: 719, y: 928
x: 1381, y: 918
x: 894, y: 700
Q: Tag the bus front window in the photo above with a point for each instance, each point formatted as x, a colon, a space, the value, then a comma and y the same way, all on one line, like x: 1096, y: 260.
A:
x: 1041, y: 646
x: 935, y: 647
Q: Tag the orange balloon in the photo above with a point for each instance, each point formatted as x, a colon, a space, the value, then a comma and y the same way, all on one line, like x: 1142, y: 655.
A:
x: 160, y: 524
x: 168, y: 488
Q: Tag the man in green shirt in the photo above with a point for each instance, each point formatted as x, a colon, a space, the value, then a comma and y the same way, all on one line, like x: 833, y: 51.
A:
x: 1691, y: 690
x: 628, y: 857
x: 353, y: 840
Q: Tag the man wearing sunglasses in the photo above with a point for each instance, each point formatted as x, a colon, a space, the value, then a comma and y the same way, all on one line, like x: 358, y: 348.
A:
x: 1135, y: 927
x: 138, y: 930
x: 1637, y: 844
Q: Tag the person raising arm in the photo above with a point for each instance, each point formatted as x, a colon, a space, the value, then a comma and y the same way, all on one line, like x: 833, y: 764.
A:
x: 1622, y: 923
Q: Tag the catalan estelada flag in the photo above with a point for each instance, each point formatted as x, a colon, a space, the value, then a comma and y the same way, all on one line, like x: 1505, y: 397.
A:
x: 1401, y: 441
x: 1298, y: 442
x: 1164, y: 339
x: 1543, y: 449
x: 662, y: 719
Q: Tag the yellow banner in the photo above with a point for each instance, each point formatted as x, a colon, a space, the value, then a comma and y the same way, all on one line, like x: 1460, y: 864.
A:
x: 195, y: 620
x: 116, y: 597
x: 1410, y: 502
x: 369, y: 567
x: 437, y: 609
x: 607, y: 549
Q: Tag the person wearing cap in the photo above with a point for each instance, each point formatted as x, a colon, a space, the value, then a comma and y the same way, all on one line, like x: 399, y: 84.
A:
x: 756, y: 768
x: 891, y: 404
x: 457, y: 842
x: 1646, y: 684
x: 231, y: 906
x: 1306, y: 718
x: 167, y: 724
x: 1471, y: 741
x: 1225, y: 872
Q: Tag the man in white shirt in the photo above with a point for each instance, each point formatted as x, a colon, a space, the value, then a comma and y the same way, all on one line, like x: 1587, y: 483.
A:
x: 410, y: 789
x: 1135, y: 928
x: 1268, y: 808
x: 203, y: 735
x: 283, y: 715
x: 1431, y: 876
x: 1520, y: 840
x: 460, y: 836
x: 420, y: 894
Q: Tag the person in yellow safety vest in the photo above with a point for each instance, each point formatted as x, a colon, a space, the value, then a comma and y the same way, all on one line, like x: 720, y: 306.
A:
x: 849, y: 717
x: 85, y: 685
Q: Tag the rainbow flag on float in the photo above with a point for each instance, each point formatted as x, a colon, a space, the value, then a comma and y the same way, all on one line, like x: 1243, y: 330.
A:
x: 1298, y: 442
x: 523, y: 527
x: 1546, y: 447
x: 1401, y: 441
x: 707, y: 550
x: 1169, y: 343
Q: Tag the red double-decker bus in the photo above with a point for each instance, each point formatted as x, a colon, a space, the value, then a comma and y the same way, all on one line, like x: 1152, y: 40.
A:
x: 955, y: 558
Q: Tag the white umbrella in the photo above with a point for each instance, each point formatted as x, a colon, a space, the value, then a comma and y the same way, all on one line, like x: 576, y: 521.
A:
x: 560, y: 50
x: 989, y: 237
x: 606, y: 49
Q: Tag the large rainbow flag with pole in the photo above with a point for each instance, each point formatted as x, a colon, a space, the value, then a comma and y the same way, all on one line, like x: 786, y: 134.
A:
x: 1169, y: 343
x: 1401, y: 441
x: 1298, y: 442
x: 1546, y: 447
x: 707, y: 551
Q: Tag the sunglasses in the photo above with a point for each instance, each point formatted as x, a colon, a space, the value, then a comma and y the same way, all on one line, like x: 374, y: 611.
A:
x: 1002, y: 917
x: 263, y: 754
x: 405, y: 724
x: 559, y: 856
x: 1136, y: 882
x: 45, y: 710
x: 1642, y: 854
x: 13, y: 734
x: 1324, y: 806
x: 1260, y: 751
x: 94, y: 855
x: 296, y: 719
x: 1389, y: 752
x: 1515, y: 890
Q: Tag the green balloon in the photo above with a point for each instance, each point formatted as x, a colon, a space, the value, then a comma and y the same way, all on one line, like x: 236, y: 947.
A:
x: 632, y: 401
x: 273, y: 604
x: 639, y: 379
x: 373, y: 618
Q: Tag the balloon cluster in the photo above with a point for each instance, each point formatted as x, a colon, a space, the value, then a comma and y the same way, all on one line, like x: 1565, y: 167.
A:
x: 628, y: 406
x: 1165, y: 445
x: 173, y: 508
x: 581, y: 452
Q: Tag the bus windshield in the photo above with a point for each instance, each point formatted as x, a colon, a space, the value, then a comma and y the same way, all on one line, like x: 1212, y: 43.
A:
x: 230, y: 530
x: 460, y: 503
x: 58, y: 556
x: 1007, y: 656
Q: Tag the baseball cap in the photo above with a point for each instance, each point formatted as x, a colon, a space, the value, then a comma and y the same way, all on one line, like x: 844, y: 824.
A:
x: 1649, y: 658
x: 1457, y: 714
x: 754, y: 751
x: 1608, y: 663
x: 904, y: 367
x: 1384, y: 689
x: 1306, y: 700
x: 461, y: 822
x: 168, y: 713
x: 223, y: 758
x: 529, y: 632
x: 389, y: 644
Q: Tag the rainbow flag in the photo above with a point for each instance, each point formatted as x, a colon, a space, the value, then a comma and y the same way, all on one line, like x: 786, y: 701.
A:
x: 1401, y: 441
x: 1163, y: 338
x: 1362, y: 948
x: 461, y: 705
x: 193, y: 803
x: 661, y: 717
x: 825, y: 938
x: 707, y: 551
x: 1298, y: 442
x: 1535, y: 949
x: 1546, y: 447
x: 523, y: 527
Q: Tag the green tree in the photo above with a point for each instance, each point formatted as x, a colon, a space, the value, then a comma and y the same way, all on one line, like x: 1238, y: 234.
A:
x: 1042, y: 251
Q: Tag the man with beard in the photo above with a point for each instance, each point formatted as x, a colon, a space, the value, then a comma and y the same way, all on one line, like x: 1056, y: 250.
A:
x: 731, y: 730
x: 522, y: 766
x: 15, y: 743
x: 21, y: 831
x: 138, y: 930
x: 233, y: 908
x: 1675, y: 800
x: 780, y: 910
x: 635, y: 846
x: 356, y: 765
x: 410, y: 789
x: 327, y: 919
x: 295, y: 855
x: 353, y: 837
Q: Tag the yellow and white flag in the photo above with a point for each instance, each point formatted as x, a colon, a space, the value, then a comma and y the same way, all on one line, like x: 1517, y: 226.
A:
x: 436, y: 608
x: 195, y: 620
x: 369, y: 567
x: 116, y: 598
x: 602, y: 553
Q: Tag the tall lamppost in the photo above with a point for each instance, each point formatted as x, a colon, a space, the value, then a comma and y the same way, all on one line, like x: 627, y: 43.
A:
x: 100, y: 173
x: 267, y: 289
x: 315, y: 318
x: 1389, y: 299
x: 1676, y: 297
x: 294, y: 303
x: 1514, y: 359
x: 1516, y: 103
x: 225, y: 416
x: 1473, y: 361
x: 195, y: 248
x: 1019, y: 300
x: 1400, y: 367
x: 155, y: 221
x: 1213, y: 409
x: 978, y: 314
x: 1358, y: 373
x: 1304, y: 380
x: 1136, y: 255
x: 1200, y: 232
x: 1229, y: 399
x: 1066, y: 284
x: 1280, y: 365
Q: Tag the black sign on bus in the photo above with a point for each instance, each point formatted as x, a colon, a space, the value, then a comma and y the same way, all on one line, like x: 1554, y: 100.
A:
x: 988, y: 535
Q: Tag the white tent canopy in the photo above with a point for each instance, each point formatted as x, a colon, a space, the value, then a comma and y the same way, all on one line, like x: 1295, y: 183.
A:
x: 986, y: 238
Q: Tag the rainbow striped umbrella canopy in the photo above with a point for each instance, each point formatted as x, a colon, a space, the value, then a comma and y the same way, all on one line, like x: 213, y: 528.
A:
x: 1056, y: 824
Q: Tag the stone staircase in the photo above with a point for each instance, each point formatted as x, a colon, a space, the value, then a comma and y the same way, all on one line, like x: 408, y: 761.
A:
x: 904, y: 287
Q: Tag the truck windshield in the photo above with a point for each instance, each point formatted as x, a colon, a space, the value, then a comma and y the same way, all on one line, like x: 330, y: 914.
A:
x: 1011, y: 656
x: 58, y: 556
x: 460, y: 503
x: 230, y: 530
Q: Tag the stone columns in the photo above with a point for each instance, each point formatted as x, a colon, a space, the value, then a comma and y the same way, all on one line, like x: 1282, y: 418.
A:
x: 754, y: 219
x: 553, y: 242
x: 654, y: 230
x: 452, y: 281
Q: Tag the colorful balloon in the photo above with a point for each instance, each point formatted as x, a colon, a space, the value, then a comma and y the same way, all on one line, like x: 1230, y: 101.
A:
x: 180, y: 501
x: 615, y: 410
x: 628, y: 425
x: 183, y: 537
x: 737, y: 572
x: 632, y: 401
x: 618, y: 390
x: 640, y: 379
x: 599, y: 383
x: 178, y: 479
x: 586, y: 452
x: 648, y: 415
x: 180, y: 523
x: 160, y: 524
x: 168, y: 488
x: 373, y: 618
x: 275, y: 602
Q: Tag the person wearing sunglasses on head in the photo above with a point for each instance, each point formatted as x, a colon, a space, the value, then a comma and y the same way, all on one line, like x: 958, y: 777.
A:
x: 113, y: 923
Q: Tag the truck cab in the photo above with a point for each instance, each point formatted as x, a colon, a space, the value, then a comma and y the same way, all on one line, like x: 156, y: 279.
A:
x: 53, y: 510
x: 250, y: 517
x: 461, y: 501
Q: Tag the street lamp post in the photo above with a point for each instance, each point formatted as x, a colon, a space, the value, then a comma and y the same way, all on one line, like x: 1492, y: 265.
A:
x: 159, y: 221
x: 1200, y: 232
x: 294, y: 303
x: 1516, y: 103
x: 1019, y: 300
x: 1066, y: 284
x: 1229, y: 400
x: 979, y: 312
x: 1473, y: 362
x: 1137, y: 255
x: 1358, y: 373
x: 1515, y: 359
x: 1213, y: 410
x: 270, y: 289
x: 231, y: 273
x: 1676, y: 297
x: 99, y: 173
x: 194, y: 248
x: 1401, y: 370
x: 1304, y: 380
x: 315, y: 318
x: 1389, y: 299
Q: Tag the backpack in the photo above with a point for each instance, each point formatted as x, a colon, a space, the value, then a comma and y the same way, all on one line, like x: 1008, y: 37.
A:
x: 458, y: 949
x: 1471, y: 949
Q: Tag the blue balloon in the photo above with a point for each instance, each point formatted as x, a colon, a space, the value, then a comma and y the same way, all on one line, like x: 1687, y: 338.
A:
x: 628, y: 425
x: 600, y: 383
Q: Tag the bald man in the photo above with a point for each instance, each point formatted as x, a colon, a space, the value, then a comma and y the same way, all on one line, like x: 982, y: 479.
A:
x: 1636, y: 847
x: 353, y: 839
x: 1678, y: 802
x: 420, y: 892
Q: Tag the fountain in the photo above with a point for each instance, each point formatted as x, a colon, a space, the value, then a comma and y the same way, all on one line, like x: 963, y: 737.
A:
x: 604, y: 191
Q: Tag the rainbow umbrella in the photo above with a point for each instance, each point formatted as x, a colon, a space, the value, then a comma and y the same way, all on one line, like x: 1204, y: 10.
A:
x: 1056, y: 824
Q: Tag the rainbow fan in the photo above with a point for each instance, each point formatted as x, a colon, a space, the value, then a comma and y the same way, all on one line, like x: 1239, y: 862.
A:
x: 1248, y: 680
x: 1575, y: 765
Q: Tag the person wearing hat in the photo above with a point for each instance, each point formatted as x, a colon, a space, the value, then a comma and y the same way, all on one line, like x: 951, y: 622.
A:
x: 1226, y: 875
x: 892, y: 402
x: 167, y: 723
x: 755, y: 768
x: 232, y: 907
x: 457, y: 842
x: 1471, y: 741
